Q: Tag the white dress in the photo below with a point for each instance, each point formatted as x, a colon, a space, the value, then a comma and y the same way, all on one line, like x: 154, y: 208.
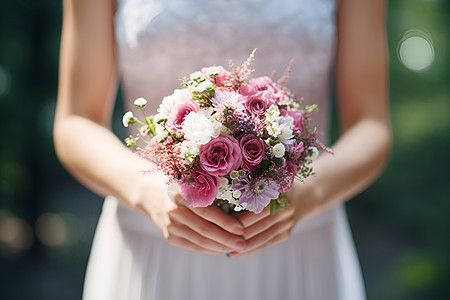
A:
x: 159, y: 42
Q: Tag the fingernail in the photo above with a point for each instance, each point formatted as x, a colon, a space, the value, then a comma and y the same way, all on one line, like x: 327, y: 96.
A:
x: 227, y: 254
x: 233, y: 254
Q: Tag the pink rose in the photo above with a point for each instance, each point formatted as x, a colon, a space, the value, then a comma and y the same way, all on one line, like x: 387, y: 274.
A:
x: 247, y: 90
x: 256, y: 105
x: 298, y: 118
x: 253, y: 151
x: 199, y: 188
x: 178, y: 113
x: 220, y: 79
x: 221, y: 155
x: 290, y: 169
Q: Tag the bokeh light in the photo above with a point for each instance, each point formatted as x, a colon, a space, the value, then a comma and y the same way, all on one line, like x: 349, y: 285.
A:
x: 58, y: 229
x: 416, y: 50
x: 16, y: 235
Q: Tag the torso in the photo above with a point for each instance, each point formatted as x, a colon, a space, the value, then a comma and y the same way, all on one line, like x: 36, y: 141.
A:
x: 159, y: 42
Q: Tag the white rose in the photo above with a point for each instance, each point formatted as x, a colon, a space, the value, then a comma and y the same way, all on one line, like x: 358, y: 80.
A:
x: 278, y: 150
x: 140, y: 102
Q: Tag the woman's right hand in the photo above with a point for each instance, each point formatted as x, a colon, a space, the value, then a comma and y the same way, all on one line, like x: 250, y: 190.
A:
x: 202, y: 229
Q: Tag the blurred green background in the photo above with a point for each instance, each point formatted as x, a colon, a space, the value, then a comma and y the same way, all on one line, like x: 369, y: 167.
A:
x: 401, y: 224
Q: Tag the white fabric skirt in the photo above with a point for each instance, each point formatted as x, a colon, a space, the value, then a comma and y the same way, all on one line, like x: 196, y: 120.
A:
x: 131, y: 260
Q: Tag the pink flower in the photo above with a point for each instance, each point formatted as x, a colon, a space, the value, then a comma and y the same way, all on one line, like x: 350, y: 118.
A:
x: 290, y: 169
x: 179, y: 112
x: 256, y: 105
x: 298, y: 118
x: 221, y: 155
x: 298, y: 151
x: 199, y: 188
x: 253, y: 151
x: 262, y: 83
x: 247, y: 90
x: 220, y: 79
x: 226, y: 96
x: 265, y: 83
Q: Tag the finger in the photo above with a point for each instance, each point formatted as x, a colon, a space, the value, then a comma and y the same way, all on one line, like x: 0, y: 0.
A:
x: 207, y: 229
x: 186, y: 244
x: 179, y: 200
x: 266, y: 223
x: 264, y: 239
x: 181, y: 230
x: 248, y: 218
x: 275, y: 240
x: 220, y: 218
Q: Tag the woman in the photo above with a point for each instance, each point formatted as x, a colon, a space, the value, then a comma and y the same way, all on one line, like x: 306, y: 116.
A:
x: 304, y: 252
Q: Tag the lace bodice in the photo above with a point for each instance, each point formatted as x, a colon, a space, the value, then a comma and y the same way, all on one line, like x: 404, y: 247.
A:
x: 161, y: 41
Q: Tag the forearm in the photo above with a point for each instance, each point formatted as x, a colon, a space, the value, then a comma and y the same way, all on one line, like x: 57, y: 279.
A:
x: 360, y: 155
x: 94, y: 155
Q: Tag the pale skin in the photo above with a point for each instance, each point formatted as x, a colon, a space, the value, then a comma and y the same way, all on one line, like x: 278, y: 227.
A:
x: 93, y: 154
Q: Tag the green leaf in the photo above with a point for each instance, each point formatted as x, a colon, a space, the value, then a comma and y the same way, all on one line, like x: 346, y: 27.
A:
x: 311, y: 108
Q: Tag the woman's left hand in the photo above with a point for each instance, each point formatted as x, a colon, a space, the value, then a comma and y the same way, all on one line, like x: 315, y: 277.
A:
x: 264, y: 230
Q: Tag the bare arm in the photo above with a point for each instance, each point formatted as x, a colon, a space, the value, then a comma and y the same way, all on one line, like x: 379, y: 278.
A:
x: 92, y: 153
x: 362, y: 150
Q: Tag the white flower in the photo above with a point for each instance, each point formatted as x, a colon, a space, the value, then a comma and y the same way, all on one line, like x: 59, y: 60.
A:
x: 230, y: 98
x: 160, y: 132
x: 273, y: 129
x: 179, y: 96
x: 237, y: 194
x: 202, y: 86
x: 234, y: 174
x: 226, y: 195
x: 128, y: 119
x: 224, y: 183
x: 240, y: 207
x: 313, y: 153
x: 272, y: 113
x: 217, y: 128
x: 189, y: 150
x: 197, y: 76
x: 140, y: 102
x: 161, y: 135
x: 198, y: 128
x: 278, y: 150
x: 212, y: 70
x: 285, y: 132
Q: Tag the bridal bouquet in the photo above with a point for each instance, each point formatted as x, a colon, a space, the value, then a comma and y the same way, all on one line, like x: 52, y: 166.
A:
x: 227, y: 139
